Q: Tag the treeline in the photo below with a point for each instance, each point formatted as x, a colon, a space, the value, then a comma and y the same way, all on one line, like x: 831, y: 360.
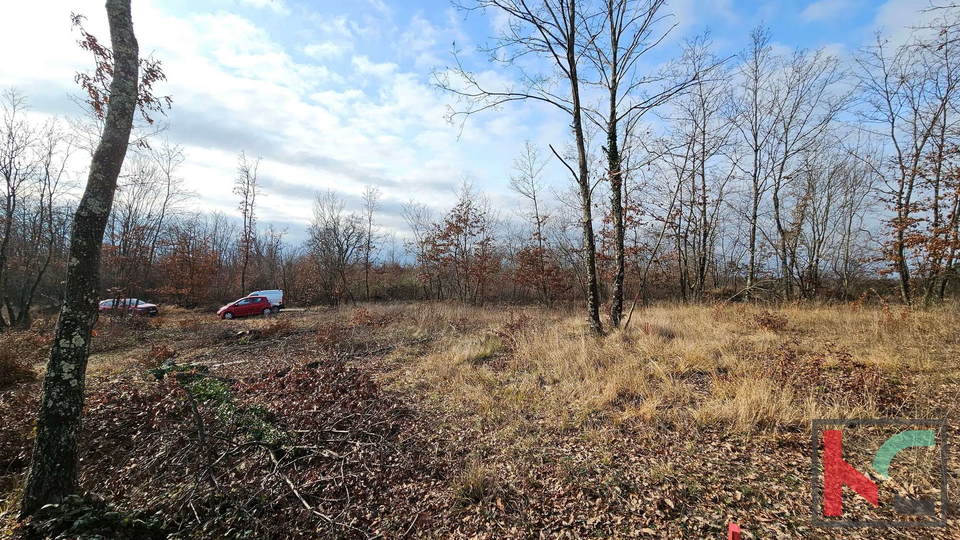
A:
x: 773, y: 175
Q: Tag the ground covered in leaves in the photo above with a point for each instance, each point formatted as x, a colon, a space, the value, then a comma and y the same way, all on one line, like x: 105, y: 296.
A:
x: 439, y: 421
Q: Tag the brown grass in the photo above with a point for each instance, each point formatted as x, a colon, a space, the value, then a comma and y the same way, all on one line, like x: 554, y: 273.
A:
x: 20, y: 354
x: 510, y: 390
x: 741, y: 367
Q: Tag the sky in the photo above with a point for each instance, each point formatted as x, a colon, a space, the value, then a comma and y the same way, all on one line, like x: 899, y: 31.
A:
x: 338, y: 95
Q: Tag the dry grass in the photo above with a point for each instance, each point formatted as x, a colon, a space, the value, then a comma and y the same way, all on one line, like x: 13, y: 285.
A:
x: 646, y: 414
x: 742, y: 367
x: 739, y: 367
x: 20, y: 354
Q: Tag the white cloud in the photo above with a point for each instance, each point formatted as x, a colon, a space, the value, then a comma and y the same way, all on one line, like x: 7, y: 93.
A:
x: 337, y: 26
x: 826, y: 10
x: 339, y: 125
x: 898, y: 18
x: 365, y: 66
x: 327, y: 49
x: 277, y: 6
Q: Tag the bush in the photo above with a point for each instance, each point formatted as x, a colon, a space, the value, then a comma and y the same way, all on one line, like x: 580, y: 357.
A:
x: 364, y: 317
x: 278, y: 327
x: 513, y: 330
x: 329, y: 336
x: 158, y: 354
x: 19, y: 351
x: 771, y: 321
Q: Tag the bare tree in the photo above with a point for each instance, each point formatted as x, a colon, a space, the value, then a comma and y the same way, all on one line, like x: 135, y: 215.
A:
x: 40, y: 229
x: 169, y: 158
x: 700, y: 166
x: 419, y: 219
x: 528, y: 184
x: 901, y: 98
x: 631, y: 29
x: 806, y: 101
x: 559, y: 31
x: 753, y: 116
x: 247, y: 187
x: 17, y: 166
x: 371, y: 205
x: 337, y: 239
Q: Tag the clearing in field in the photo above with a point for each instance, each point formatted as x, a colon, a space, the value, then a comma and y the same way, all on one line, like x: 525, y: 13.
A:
x: 441, y: 421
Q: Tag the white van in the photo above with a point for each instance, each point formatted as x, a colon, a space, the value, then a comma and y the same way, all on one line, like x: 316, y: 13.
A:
x: 275, y: 296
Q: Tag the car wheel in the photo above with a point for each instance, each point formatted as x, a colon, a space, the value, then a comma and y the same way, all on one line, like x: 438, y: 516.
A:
x: 228, y: 315
x: 267, y: 311
x: 276, y: 309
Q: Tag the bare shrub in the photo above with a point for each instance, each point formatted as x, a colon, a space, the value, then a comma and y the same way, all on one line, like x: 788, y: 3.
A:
x: 834, y: 377
x: 276, y: 328
x: 157, y: 355
x: 771, y: 320
x: 513, y: 330
x: 329, y: 337
x: 365, y: 317
x: 19, y: 351
x: 192, y: 323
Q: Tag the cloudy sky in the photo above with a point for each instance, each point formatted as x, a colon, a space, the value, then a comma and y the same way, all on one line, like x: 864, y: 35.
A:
x: 337, y: 94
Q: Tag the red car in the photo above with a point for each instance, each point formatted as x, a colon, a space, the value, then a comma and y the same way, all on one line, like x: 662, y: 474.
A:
x: 129, y: 305
x: 251, y: 305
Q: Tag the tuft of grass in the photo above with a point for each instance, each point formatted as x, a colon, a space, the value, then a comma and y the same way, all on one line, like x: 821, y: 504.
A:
x: 476, y: 484
x: 747, y: 405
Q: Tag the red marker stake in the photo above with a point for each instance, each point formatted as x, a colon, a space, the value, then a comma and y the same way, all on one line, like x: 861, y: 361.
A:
x: 733, y: 532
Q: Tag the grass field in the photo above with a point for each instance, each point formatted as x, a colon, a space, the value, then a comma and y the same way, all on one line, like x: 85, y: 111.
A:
x: 445, y: 421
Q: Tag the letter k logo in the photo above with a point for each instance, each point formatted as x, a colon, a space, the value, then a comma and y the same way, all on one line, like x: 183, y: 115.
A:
x: 837, y: 472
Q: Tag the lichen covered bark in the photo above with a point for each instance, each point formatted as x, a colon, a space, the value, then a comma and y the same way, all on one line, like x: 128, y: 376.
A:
x: 54, y: 468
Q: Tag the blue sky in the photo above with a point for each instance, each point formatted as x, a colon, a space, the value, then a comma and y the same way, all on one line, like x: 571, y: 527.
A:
x: 337, y: 94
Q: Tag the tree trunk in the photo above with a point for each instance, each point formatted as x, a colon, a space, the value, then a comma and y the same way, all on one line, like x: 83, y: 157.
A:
x: 586, y: 199
x: 754, y: 219
x: 11, y: 205
x: 54, y: 468
x: 614, y: 169
x: 616, y: 209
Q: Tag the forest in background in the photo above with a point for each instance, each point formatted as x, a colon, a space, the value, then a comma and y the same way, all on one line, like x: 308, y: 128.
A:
x: 776, y: 175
